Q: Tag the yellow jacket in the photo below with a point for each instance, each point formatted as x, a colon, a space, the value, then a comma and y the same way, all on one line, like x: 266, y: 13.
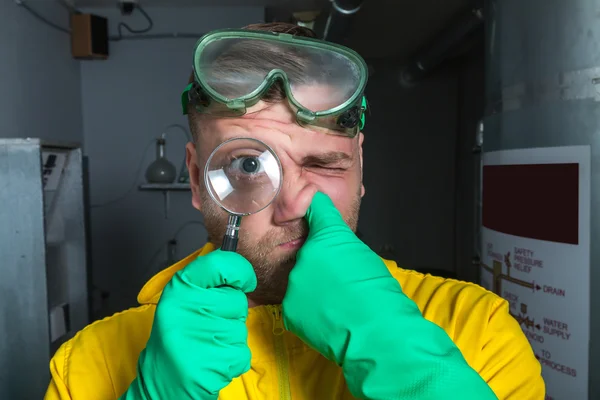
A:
x: 99, y: 363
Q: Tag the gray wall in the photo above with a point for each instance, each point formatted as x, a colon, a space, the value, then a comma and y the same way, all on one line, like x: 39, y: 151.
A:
x: 39, y: 80
x: 409, y: 163
x: 419, y: 166
x: 471, y: 109
x: 127, y: 101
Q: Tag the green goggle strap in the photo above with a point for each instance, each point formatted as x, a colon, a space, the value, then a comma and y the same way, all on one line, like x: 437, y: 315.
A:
x: 362, y: 116
x: 185, y: 99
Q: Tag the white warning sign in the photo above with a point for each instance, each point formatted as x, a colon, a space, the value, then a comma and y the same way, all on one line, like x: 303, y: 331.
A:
x: 536, y: 255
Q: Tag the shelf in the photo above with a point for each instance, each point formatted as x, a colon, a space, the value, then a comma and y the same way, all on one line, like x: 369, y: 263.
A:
x: 165, y: 186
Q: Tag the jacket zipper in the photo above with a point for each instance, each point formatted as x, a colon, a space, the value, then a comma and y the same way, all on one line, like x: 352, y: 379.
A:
x: 281, y: 355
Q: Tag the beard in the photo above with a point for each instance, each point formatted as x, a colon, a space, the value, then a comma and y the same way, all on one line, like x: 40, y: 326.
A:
x: 272, y: 270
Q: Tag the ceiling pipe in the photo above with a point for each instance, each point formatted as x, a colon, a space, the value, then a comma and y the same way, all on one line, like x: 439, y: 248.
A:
x: 442, y: 48
x: 338, y: 22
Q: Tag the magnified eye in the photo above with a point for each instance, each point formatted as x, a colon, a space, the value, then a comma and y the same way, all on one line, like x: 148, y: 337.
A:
x: 249, y: 165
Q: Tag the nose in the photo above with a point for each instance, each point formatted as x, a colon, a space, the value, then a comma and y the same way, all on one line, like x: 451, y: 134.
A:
x: 293, y: 200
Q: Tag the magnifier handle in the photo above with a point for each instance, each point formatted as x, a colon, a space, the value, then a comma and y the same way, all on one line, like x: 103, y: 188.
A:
x: 230, y: 240
x: 229, y: 243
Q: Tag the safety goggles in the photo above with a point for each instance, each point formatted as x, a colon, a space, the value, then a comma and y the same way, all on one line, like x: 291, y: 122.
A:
x: 323, y: 82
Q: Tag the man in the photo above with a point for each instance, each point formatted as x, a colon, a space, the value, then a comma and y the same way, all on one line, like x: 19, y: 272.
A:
x: 303, y: 309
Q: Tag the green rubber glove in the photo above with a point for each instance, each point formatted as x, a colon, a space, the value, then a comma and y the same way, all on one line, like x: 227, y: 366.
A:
x: 198, y: 342
x: 342, y: 301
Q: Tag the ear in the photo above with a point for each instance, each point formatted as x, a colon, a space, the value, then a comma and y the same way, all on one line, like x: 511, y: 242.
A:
x: 361, y: 139
x: 191, y: 160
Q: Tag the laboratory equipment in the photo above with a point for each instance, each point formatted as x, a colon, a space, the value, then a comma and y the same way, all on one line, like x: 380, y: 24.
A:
x: 243, y: 176
x: 161, y: 170
x: 43, y: 260
x: 220, y: 91
x: 161, y: 173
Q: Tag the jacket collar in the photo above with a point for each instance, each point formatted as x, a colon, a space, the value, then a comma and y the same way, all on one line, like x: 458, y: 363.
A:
x: 150, y: 293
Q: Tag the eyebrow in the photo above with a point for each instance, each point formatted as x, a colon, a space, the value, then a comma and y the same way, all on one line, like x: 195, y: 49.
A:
x: 331, y: 157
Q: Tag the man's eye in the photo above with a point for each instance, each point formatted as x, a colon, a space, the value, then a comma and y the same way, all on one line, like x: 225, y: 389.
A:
x: 246, y: 165
x: 327, y: 167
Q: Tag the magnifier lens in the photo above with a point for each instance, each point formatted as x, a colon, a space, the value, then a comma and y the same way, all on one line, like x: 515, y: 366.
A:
x: 243, y: 175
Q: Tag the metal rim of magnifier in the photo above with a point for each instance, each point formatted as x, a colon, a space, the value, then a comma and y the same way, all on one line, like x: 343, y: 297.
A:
x: 207, y: 183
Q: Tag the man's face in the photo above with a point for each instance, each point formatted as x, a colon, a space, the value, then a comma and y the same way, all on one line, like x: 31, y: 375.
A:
x: 311, y: 161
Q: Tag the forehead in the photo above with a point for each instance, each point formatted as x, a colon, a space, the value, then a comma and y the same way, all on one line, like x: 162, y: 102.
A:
x: 274, y: 124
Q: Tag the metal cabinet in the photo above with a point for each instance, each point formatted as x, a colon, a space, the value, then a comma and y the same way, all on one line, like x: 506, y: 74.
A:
x: 43, y: 260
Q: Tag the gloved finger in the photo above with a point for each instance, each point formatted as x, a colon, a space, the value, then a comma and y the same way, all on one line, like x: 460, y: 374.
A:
x: 182, y: 299
x: 241, y: 364
x: 219, y: 365
x: 322, y: 215
x: 226, y: 354
x: 221, y: 268
x: 230, y: 333
x: 225, y: 365
x: 222, y: 302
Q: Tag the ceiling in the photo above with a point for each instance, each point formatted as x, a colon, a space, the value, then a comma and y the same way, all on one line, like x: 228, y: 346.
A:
x: 383, y: 28
x: 199, y: 3
x: 398, y: 28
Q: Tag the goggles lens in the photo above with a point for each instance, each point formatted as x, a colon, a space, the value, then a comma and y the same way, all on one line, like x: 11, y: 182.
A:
x: 323, y: 82
x: 318, y: 79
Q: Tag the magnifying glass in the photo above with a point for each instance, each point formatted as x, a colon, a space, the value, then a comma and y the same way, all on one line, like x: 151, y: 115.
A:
x: 243, y: 176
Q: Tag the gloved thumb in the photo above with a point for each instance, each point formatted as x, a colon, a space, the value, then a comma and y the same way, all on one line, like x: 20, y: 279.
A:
x: 323, y: 216
x: 221, y: 268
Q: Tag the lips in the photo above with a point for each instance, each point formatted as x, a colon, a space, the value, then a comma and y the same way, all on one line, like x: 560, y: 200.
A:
x: 294, y: 243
